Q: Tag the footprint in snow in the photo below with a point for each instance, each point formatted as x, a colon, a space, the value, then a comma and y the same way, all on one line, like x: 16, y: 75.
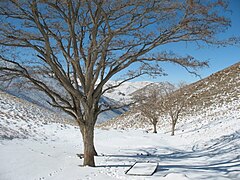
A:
x: 54, y: 172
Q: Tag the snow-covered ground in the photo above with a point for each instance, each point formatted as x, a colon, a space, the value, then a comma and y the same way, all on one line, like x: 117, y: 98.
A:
x: 35, y: 145
x: 55, y: 157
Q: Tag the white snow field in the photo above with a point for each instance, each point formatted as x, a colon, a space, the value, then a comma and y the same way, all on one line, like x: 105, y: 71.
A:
x: 38, y: 144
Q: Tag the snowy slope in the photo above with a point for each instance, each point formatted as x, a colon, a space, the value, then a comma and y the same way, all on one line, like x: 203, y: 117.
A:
x: 214, y: 97
x: 19, y: 88
x: 22, y: 119
x: 118, y: 95
x: 40, y: 99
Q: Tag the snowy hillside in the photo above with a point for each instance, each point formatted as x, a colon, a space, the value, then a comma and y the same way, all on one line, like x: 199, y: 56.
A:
x: 19, y: 88
x: 214, y: 97
x: 118, y: 95
x: 39, y: 98
x: 22, y: 119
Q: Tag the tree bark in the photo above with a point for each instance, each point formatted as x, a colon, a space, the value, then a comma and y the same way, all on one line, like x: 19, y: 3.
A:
x: 173, y: 128
x: 89, y: 149
x: 154, y: 128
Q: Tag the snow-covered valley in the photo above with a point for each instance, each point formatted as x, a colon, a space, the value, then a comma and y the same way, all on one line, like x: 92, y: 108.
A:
x: 47, y: 150
x: 55, y: 157
x: 36, y: 143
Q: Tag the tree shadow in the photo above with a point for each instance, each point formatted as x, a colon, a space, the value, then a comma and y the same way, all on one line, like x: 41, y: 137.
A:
x: 114, y: 166
x: 217, y: 156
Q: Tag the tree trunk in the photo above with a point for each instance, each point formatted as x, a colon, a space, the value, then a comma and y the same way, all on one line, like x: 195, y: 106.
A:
x: 89, y: 149
x: 173, y: 128
x: 82, y: 132
x: 154, y: 128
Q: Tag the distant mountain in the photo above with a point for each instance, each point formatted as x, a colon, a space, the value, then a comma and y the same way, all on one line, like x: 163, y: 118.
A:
x: 214, y: 99
x: 148, y: 88
x: 124, y: 91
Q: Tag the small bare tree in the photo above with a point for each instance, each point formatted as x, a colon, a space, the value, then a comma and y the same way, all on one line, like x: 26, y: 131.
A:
x: 147, y: 104
x: 173, y: 102
x: 81, y: 45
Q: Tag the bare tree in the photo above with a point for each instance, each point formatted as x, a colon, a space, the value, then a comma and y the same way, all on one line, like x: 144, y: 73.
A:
x: 147, y: 104
x: 173, y: 102
x: 82, y: 44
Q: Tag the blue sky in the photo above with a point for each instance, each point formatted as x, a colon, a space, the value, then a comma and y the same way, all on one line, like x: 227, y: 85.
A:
x: 219, y: 58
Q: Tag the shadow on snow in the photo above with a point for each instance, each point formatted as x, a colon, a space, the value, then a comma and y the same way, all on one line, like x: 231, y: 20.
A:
x: 217, y: 156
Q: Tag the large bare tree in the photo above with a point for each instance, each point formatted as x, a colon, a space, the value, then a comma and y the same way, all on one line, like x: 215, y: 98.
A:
x: 82, y: 44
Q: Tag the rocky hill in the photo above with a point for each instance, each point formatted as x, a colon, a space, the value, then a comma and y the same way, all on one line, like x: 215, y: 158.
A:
x: 219, y: 88
x: 214, y: 99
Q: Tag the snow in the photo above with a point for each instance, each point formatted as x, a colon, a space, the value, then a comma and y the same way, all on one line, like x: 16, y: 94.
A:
x: 143, y: 169
x: 55, y: 157
x: 38, y: 144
